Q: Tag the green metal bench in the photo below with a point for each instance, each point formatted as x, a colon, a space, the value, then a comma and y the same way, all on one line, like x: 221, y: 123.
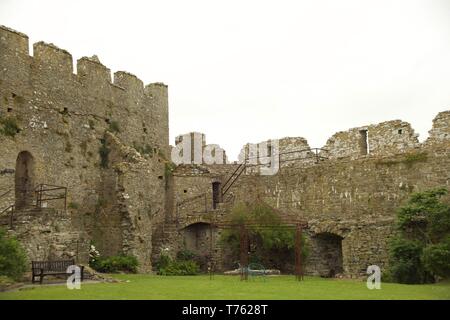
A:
x: 256, y: 270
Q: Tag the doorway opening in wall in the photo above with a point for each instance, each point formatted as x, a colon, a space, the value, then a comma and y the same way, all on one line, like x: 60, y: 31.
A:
x: 197, y: 241
x: 24, y: 180
x: 327, y: 254
x: 216, y: 191
x: 364, y: 142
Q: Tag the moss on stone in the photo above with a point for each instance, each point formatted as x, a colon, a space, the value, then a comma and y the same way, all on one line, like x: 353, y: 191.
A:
x: 9, y: 127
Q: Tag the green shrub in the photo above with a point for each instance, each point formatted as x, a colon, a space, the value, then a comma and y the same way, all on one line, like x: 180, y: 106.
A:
x: 421, y: 250
x: 13, y: 261
x: 168, y: 267
x: 9, y: 127
x: 406, y: 262
x: 185, y: 255
x: 113, y: 264
x: 436, y: 258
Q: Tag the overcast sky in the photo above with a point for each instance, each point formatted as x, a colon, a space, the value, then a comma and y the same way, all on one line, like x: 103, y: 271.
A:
x: 246, y: 71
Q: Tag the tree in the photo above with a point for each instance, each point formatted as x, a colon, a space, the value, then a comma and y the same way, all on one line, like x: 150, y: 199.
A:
x: 272, y: 246
x: 420, y: 251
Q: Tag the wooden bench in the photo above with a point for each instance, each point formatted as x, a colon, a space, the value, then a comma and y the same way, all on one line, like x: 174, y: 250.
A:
x: 51, y: 268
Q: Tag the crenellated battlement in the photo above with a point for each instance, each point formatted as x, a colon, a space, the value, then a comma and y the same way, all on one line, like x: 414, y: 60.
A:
x: 13, y: 40
x: 57, y: 62
x: 91, y: 71
x: 54, y: 61
x: 47, y: 78
x: 129, y: 82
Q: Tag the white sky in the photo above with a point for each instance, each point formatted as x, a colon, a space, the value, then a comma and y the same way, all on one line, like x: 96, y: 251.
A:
x: 246, y: 71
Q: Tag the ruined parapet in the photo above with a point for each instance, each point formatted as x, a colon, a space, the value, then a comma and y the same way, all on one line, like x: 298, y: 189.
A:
x: 392, y: 137
x: 53, y: 63
x: 94, y: 77
x: 294, y: 151
x: 214, y: 153
x: 14, y: 57
x: 386, y: 138
x: 287, y: 151
x: 440, y: 130
x: 191, y: 148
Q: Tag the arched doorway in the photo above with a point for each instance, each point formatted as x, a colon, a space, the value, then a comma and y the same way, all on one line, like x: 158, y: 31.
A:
x: 24, y: 180
x: 326, y: 256
x: 198, y: 239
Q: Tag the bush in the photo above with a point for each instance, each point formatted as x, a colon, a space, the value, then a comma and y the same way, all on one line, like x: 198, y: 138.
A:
x: 421, y: 250
x: 13, y: 261
x: 179, y: 267
x: 406, y: 262
x: 436, y: 258
x: 114, y: 264
x: 185, y: 255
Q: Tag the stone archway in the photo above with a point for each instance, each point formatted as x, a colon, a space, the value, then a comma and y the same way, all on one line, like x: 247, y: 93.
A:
x: 326, y: 255
x: 24, y: 180
x: 198, y: 239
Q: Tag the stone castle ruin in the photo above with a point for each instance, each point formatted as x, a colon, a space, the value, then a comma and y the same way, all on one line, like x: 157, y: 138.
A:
x: 86, y: 159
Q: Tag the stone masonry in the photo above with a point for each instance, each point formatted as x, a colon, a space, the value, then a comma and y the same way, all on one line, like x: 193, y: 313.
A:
x: 106, y: 139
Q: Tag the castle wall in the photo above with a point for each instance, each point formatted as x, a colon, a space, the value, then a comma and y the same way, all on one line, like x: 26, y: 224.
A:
x: 349, y: 195
x: 62, y: 119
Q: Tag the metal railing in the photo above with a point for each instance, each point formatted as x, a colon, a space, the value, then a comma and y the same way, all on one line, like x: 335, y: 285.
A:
x: 11, y: 210
x: 43, y: 192
x: 46, y: 192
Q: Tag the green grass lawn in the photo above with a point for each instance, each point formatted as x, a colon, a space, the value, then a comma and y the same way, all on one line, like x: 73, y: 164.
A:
x: 230, y: 287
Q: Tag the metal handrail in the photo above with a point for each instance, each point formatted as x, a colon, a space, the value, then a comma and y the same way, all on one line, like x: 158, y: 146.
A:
x: 40, y: 194
x: 226, y: 188
x: 11, y: 208
x: 242, y: 164
x: 5, y: 193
